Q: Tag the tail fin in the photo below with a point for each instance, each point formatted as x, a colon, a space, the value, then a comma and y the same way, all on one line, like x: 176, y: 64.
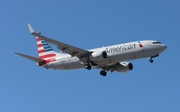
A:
x: 45, y: 51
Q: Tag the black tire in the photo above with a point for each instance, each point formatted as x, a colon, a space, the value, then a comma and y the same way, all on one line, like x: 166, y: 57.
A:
x: 87, y: 66
x: 151, y: 61
x: 103, y: 73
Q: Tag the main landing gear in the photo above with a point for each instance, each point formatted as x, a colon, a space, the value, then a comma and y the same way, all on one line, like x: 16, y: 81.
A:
x: 153, y: 56
x: 87, y: 66
x: 103, y: 72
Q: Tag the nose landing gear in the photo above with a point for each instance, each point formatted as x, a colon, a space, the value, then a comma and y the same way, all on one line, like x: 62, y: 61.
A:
x: 153, y: 56
x: 151, y: 60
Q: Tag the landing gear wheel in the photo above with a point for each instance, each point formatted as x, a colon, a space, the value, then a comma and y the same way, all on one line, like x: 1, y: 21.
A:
x: 87, y: 66
x: 103, y: 73
x: 151, y: 61
x: 153, y: 56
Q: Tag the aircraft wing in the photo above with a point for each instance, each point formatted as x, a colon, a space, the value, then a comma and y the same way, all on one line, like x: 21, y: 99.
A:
x: 72, y: 50
x: 30, y: 57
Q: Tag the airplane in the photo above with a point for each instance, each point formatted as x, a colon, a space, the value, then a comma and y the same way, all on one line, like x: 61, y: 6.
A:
x: 107, y: 59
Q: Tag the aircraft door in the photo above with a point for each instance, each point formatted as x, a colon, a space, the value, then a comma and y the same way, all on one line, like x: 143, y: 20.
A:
x: 148, y: 51
x: 139, y: 52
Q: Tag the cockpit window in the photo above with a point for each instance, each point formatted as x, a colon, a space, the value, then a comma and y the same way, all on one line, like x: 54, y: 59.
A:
x: 156, y: 42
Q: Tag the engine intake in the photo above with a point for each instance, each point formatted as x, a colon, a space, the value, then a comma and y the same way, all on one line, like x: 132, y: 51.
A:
x: 124, y: 67
x: 96, y: 56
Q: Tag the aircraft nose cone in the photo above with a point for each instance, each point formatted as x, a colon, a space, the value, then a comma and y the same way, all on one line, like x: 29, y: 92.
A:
x: 163, y: 47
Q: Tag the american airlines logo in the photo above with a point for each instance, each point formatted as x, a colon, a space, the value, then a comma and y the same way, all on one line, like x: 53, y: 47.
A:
x: 140, y: 45
x: 120, y: 48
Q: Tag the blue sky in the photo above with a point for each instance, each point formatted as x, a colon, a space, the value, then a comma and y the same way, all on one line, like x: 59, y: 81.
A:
x: 25, y: 87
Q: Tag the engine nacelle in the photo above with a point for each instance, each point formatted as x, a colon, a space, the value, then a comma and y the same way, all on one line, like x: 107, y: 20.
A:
x: 124, y: 67
x: 96, y: 56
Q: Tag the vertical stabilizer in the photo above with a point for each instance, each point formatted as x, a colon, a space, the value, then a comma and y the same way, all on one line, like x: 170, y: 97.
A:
x: 45, y: 51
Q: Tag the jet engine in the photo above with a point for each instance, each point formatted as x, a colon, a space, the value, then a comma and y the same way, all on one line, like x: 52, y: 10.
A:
x: 124, y: 67
x: 96, y: 56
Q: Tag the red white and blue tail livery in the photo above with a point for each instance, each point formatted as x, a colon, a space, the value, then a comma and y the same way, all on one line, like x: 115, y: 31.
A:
x: 107, y: 59
x: 45, y: 51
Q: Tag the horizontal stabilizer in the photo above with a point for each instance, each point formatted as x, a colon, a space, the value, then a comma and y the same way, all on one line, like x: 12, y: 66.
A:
x: 30, y: 57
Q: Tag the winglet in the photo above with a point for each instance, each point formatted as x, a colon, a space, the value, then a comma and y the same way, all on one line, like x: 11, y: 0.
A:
x: 30, y: 29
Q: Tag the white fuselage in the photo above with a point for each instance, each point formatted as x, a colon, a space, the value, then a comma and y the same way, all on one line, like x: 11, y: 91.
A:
x: 115, y: 53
